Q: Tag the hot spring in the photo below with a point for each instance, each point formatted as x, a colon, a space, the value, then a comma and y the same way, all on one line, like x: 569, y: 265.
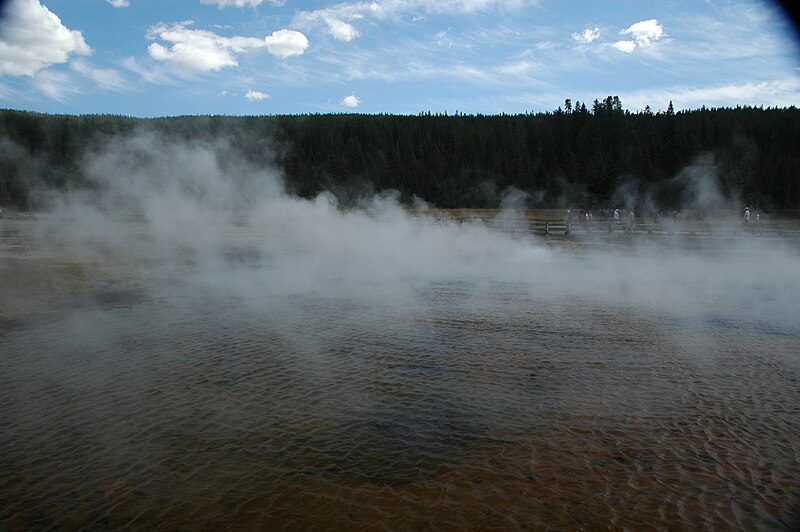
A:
x: 183, y: 345
x: 311, y: 368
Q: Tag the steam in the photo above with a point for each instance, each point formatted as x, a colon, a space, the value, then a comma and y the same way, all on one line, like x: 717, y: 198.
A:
x: 695, y: 187
x: 168, y: 202
x: 197, y: 211
x: 700, y: 185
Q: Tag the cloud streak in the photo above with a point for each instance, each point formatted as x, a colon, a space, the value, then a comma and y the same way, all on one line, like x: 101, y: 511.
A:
x: 340, y: 17
x: 55, y: 85
x: 775, y: 93
x: 234, y: 3
x: 105, y: 78
x: 241, y: 3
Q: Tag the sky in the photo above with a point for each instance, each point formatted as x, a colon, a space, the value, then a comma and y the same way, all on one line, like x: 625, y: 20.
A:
x: 149, y: 58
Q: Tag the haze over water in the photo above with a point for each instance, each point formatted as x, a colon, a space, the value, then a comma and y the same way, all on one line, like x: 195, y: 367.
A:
x: 259, y: 360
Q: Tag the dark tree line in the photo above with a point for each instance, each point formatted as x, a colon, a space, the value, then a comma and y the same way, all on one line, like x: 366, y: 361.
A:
x: 577, y: 155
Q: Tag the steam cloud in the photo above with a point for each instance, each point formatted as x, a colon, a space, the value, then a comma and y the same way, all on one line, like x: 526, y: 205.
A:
x: 198, y: 208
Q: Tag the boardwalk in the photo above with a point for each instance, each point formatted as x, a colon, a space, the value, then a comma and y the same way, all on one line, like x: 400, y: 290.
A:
x: 522, y: 222
x: 726, y: 225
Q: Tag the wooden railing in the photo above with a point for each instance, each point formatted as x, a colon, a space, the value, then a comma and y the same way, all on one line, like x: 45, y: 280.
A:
x: 604, y: 225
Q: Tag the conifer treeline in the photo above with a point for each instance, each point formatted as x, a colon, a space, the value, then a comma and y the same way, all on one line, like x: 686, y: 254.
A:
x: 576, y: 155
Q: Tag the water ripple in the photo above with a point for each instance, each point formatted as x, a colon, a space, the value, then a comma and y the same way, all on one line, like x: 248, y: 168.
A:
x: 461, y: 405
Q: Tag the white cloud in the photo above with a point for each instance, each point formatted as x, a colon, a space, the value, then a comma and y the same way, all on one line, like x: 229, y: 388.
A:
x: 119, y: 3
x: 197, y: 49
x: 625, y: 46
x: 645, y: 32
x: 105, y: 78
x: 341, y: 30
x: 587, y: 36
x: 286, y: 43
x: 254, y: 96
x: 33, y: 38
x: 351, y: 101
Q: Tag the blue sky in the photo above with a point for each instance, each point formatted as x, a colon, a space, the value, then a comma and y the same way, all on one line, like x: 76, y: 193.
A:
x: 252, y: 57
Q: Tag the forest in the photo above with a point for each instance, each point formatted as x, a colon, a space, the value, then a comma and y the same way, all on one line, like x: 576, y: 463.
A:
x: 578, y: 155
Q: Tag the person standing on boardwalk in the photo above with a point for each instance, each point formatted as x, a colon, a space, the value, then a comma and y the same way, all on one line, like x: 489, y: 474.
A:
x: 746, y: 217
x: 631, y: 220
x: 569, y: 221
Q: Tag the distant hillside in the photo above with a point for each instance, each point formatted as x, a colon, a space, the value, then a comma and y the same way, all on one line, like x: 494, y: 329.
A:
x: 579, y: 156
